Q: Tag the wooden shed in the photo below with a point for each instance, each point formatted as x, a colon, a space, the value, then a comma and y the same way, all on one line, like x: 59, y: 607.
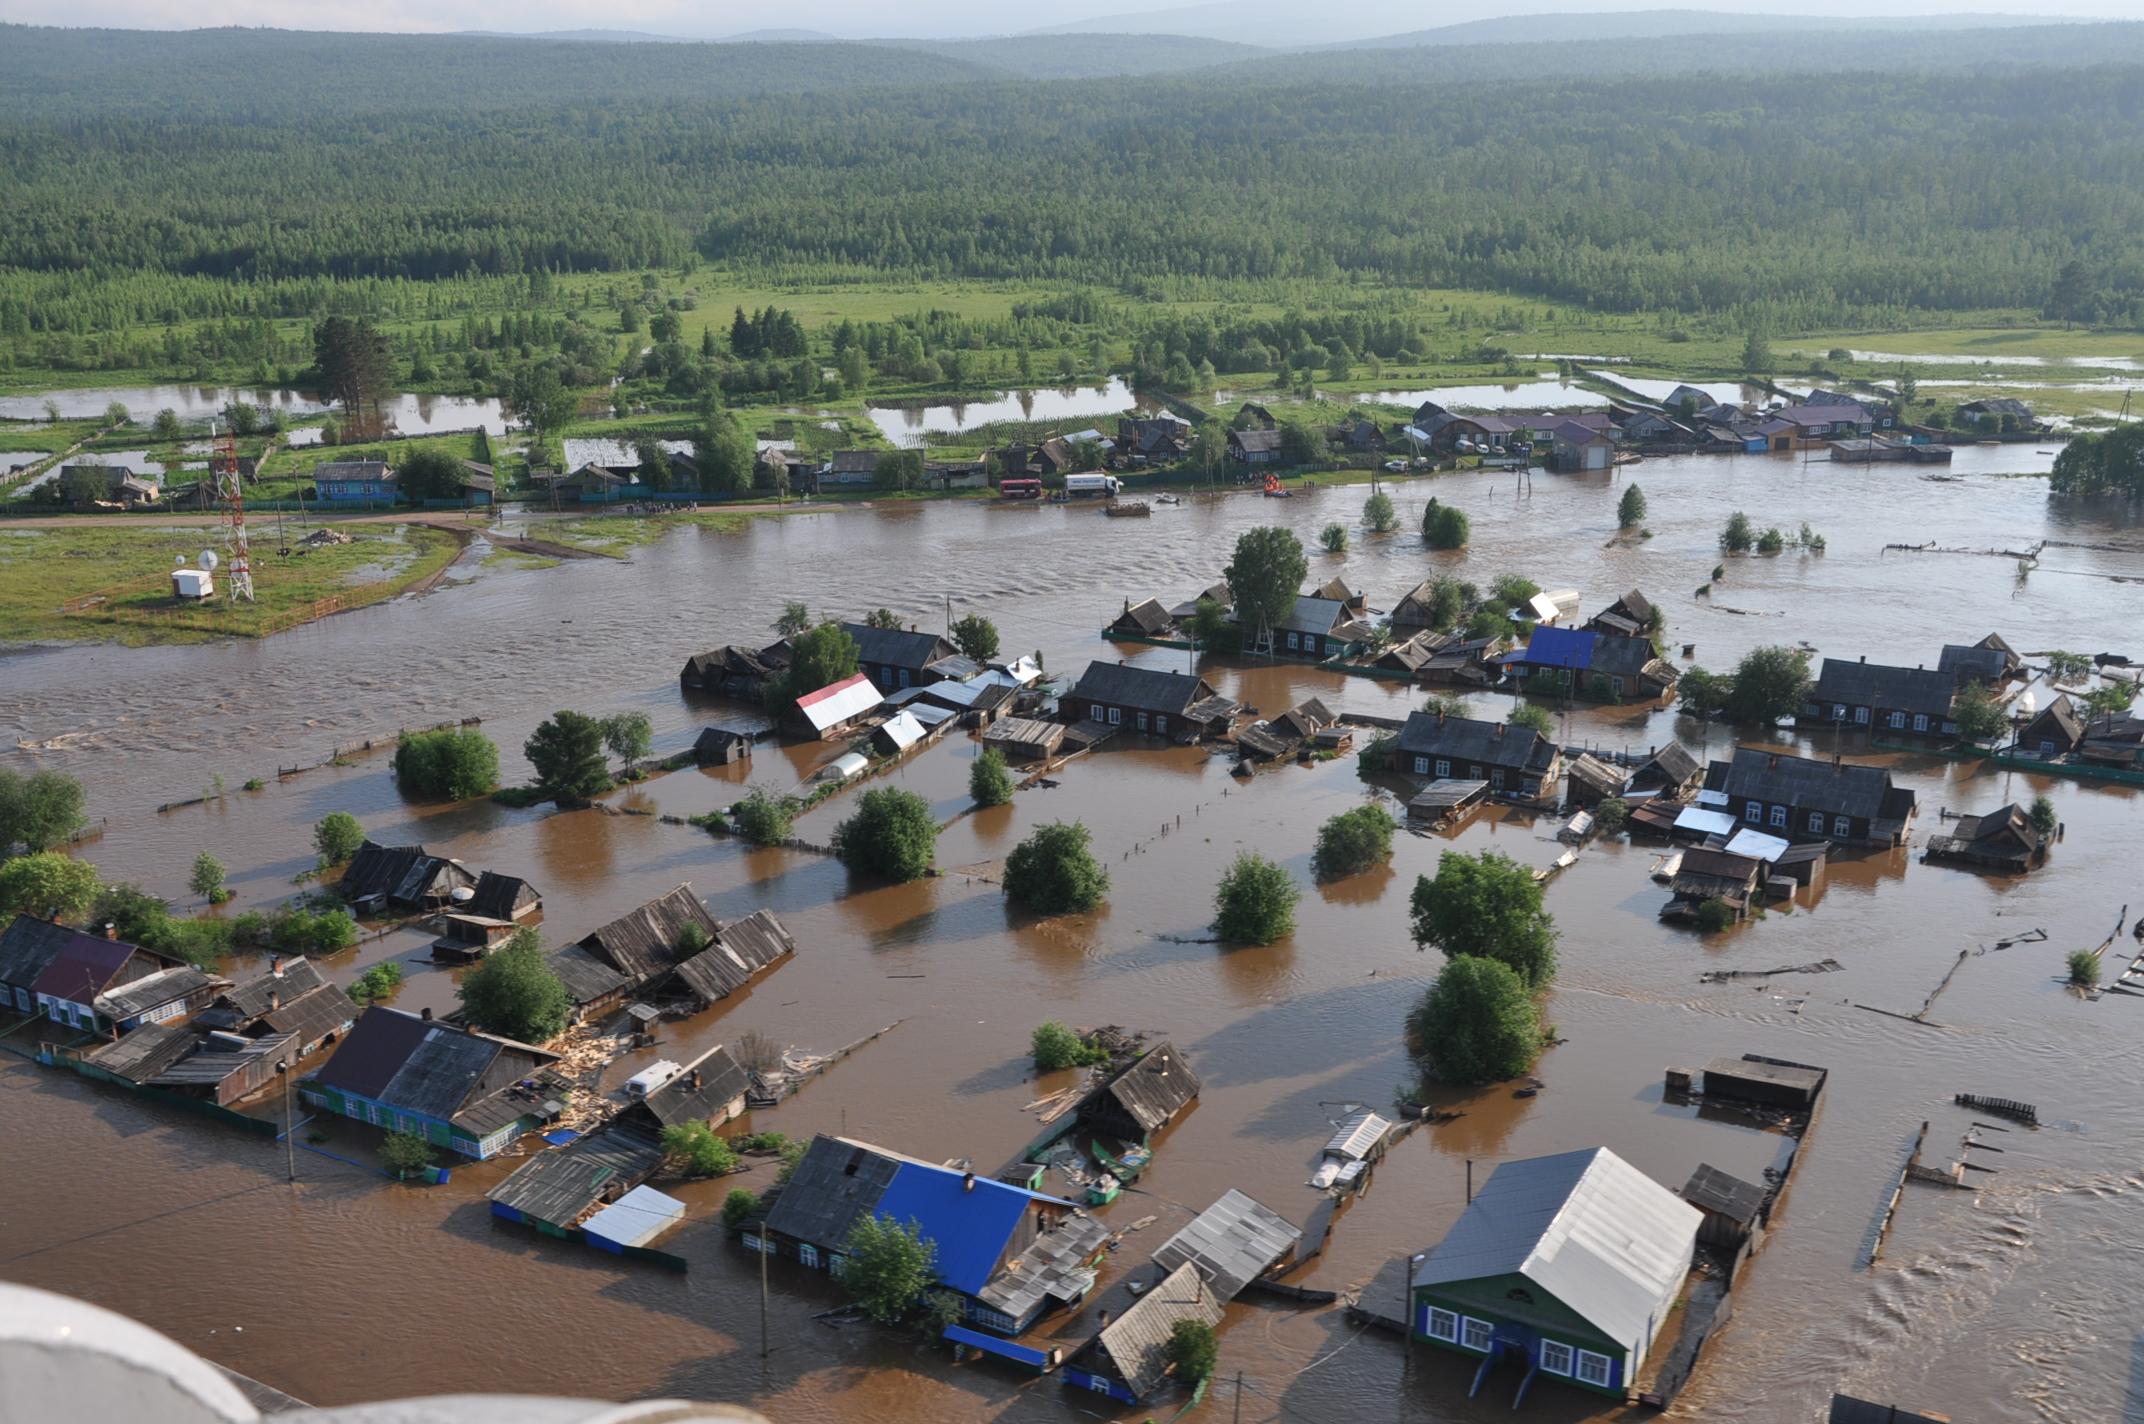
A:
x: 721, y: 746
x: 1142, y: 1098
x: 1732, y: 1209
x: 1772, y: 1082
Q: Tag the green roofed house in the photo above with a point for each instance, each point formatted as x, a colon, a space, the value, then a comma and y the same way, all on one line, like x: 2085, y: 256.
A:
x: 1564, y: 1266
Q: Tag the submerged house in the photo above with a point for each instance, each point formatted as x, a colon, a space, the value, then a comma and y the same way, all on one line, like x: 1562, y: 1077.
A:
x: 1585, y: 663
x: 60, y: 974
x: 1286, y: 734
x: 503, y: 897
x: 1143, y: 1097
x: 2002, y: 839
x: 735, y: 671
x: 1314, y: 628
x: 1802, y: 797
x: 595, y: 986
x: 1991, y: 662
x: 213, y: 1065
x: 894, y: 658
x: 1231, y: 1243
x: 834, y: 709
x: 1144, y: 619
x: 1166, y: 704
x: 1705, y: 874
x: 561, y: 1188
x: 1515, y: 761
x: 1568, y: 1264
x: 710, y: 1089
x: 1672, y: 773
x: 1128, y: 1359
x: 465, y: 1091
x: 1009, y: 1253
x: 674, y: 948
x: 1630, y: 616
x: 1908, y: 701
x: 2055, y: 731
x: 401, y: 877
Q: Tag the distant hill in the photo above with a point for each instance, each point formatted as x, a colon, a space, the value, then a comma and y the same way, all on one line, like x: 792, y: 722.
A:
x: 780, y: 37
x: 1085, y: 56
x: 1277, y: 24
x: 1661, y: 24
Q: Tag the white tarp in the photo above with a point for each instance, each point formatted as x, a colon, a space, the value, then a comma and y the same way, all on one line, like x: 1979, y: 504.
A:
x: 1710, y: 823
x: 1756, y: 845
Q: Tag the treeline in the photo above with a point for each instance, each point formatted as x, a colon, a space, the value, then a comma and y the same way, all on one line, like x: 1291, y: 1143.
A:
x: 1797, y: 199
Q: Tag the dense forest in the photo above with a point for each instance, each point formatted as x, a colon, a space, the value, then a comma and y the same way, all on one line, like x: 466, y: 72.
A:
x: 148, y: 184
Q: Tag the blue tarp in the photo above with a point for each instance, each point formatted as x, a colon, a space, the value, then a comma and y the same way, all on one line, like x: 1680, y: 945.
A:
x: 561, y: 1137
x: 995, y: 1345
x: 1560, y: 648
x: 972, y: 1227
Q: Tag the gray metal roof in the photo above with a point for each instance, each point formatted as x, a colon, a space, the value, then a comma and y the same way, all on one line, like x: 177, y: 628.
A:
x: 441, y: 1072
x: 251, y: 998
x: 1359, y: 1135
x: 216, y: 1061
x: 1608, y: 1241
x: 898, y: 647
x: 1142, y: 688
x: 1469, y: 739
x: 138, y: 996
x: 1843, y: 788
x: 313, y: 1015
x: 1313, y: 615
x: 1231, y: 1243
x: 1866, y: 684
x: 586, y: 977
x: 837, y: 1183
x: 559, y: 1185
x: 145, y: 1052
x: 1711, y: 1189
x: 1052, y: 1266
x: 1136, y: 1343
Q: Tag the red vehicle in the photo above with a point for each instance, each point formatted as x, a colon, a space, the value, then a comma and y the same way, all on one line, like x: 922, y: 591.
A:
x: 1020, y: 489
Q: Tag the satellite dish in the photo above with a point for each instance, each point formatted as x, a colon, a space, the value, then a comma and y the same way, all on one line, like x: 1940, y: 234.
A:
x: 208, y: 560
x: 461, y: 895
x: 2028, y: 704
x: 178, y: 560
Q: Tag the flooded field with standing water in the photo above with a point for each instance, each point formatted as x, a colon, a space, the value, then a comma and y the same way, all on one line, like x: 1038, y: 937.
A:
x: 2010, y: 1303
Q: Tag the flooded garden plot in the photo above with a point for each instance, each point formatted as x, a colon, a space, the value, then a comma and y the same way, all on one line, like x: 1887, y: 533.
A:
x: 1283, y: 1037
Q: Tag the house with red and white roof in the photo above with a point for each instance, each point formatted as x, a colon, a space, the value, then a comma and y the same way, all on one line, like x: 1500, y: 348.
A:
x: 834, y: 709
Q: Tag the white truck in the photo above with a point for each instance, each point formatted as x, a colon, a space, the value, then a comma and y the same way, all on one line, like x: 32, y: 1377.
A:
x: 1091, y: 486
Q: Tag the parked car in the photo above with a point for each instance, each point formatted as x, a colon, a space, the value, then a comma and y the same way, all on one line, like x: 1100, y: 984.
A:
x: 1395, y: 466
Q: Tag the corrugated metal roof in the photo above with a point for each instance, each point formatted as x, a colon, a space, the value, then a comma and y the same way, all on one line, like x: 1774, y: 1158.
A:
x: 1711, y: 823
x: 1136, y: 1343
x: 82, y: 968
x: 838, y: 702
x: 557, y: 1186
x: 1051, y: 1267
x: 1358, y: 1135
x: 152, y: 991
x: 29, y: 944
x: 1608, y: 1241
x: 211, y: 1064
x: 142, y: 1054
x: 902, y: 729
x: 1231, y: 1243
x: 251, y: 998
x: 636, y: 1218
x: 1756, y: 845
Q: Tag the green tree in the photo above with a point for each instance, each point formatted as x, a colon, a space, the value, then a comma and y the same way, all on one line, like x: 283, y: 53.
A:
x: 377, y: 983
x: 405, y: 1154
x: 1714, y: 915
x: 1379, y: 515
x: 566, y: 751
x: 1353, y: 841
x: 429, y: 474
x: 1534, y: 717
x: 738, y: 1208
x: 337, y: 838
x: 1486, y: 906
x: 1055, y: 1046
x: 795, y: 619
x: 1478, y: 1023
x: 1443, y: 603
x: 451, y: 763
x: 166, y: 426
x: 1300, y: 445
x: 207, y: 879
x: 2043, y: 816
x: 763, y: 818
x: 891, y: 835
x: 541, y: 402
x: 516, y: 993
x: 1756, y: 354
x: 1210, y: 624
x: 1255, y: 901
x: 976, y: 637
x: 630, y: 736
x: 1978, y: 715
x: 882, y: 618
x: 899, y: 470
x: 2069, y: 299
x: 134, y: 914
x: 1738, y: 537
x: 989, y: 783
x: 1510, y: 591
x: 2084, y: 969
x: 1334, y: 537
x: 355, y: 365
x: 1771, y: 541
x: 1265, y: 577
x: 886, y: 1267
x: 1053, y: 872
x: 696, y: 1150
x: 2109, y: 699
x: 46, y: 883
x: 2102, y: 462
x: 1703, y: 694
x: 1630, y: 509
x: 115, y: 415
x: 2068, y: 667
x: 1444, y: 527
x: 1768, y: 684
x: 1192, y: 1351
x: 38, y: 811
x: 1609, y: 817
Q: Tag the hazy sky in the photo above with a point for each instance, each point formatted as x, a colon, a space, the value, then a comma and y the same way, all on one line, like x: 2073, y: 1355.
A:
x: 1240, y: 19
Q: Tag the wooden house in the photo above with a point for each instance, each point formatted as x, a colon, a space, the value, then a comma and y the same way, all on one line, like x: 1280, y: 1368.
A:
x: 894, y: 658
x: 1128, y: 1358
x: 1153, y: 440
x: 1141, y: 1098
x: 1413, y: 613
x: 1705, y: 874
x: 1592, y: 780
x: 1579, y: 662
x: 563, y: 1187
x: 1766, y: 1082
x: 1990, y: 663
x: 1892, y: 701
x: 1024, y: 738
x: 1689, y: 400
x: 2055, y: 731
x: 61, y: 974
x: 1994, y: 411
x: 1318, y: 628
x: 1285, y: 735
x: 1816, y: 800
x: 1576, y: 448
x: 1517, y: 762
x: 504, y: 897
x: 355, y: 482
x: 401, y: 877
x: 214, y: 1065
x: 710, y: 1090
x: 1632, y: 615
x: 1251, y: 414
x: 1670, y: 773
x: 172, y: 992
x: 743, y: 673
x: 1008, y: 1253
x: 674, y: 948
x: 2115, y: 740
x: 597, y: 988
x: 1254, y: 447
x: 1461, y: 662
x: 833, y: 711
x: 1144, y: 619
x: 1569, y: 1266
x: 465, y: 938
x: 721, y: 746
x: 468, y: 1092
x: 1165, y: 704
x: 293, y: 997
x: 2003, y: 839
x: 1447, y: 803
x: 1730, y: 1210
x: 1230, y: 1244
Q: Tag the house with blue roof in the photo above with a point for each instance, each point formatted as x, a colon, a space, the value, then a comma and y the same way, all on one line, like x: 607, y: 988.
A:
x: 1011, y: 1254
x: 1586, y: 662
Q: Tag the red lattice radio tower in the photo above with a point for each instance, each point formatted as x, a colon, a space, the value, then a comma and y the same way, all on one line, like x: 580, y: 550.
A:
x: 230, y: 491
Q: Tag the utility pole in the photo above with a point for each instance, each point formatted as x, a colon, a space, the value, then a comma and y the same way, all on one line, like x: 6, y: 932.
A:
x: 1470, y: 1181
x: 1239, y: 1397
x: 290, y: 1127
x: 766, y: 1244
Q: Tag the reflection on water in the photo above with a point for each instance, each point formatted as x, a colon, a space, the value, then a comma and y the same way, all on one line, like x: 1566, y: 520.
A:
x: 1284, y: 1037
x: 409, y: 414
x: 2106, y: 363
x: 1544, y: 393
x: 1725, y: 392
x: 910, y: 424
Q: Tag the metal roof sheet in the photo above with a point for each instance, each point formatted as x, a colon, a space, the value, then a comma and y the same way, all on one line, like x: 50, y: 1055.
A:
x: 1756, y: 845
x: 838, y: 702
x: 1358, y: 1135
x: 903, y: 730
x: 636, y: 1218
x: 1711, y: 823
x: 1587, y: 1227
x: 1231, y: 1243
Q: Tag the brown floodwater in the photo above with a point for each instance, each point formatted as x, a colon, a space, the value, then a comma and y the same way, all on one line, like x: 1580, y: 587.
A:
x: 2010, y: 1303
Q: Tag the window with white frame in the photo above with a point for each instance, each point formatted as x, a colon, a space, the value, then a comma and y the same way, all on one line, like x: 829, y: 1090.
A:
x: 1898, y: 719
x: 1291, y: 640
x: 1098, y: 1383
x: 1838, y: 711
x: 1142, y: 721
x: 1161, y: 723
x: 1556, y: 1358
x: 1861, y: 714
x: 1444, y: 768
x: 1920, y: 721
x: 1421, y: 766
x: 1116, y: 716
x: 1477, y: 1334
x: 1754, y: 811
x: 1779, y: 816
x: 808, y: 1254
x: 1592, y: 1368
x: 1443, y: 1324
x: 1098, y: 712
x: 1496, y: 778
x: 1841, y: 826
x: 1816, y: 822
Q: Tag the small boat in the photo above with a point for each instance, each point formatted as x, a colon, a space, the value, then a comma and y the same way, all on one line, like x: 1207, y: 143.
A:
x: 1278, y: 493
x: 1577, y: 828
x: 1127, y: 1167
x: 1167, y: 499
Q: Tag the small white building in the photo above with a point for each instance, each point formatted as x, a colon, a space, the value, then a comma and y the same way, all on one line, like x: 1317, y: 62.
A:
x: 192, y: 583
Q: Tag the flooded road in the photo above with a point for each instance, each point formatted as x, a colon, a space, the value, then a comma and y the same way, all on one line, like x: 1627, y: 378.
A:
x: 2013, y: 1303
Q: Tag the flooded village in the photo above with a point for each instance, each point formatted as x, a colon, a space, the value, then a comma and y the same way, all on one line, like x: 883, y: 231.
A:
x: 1822, y: 1111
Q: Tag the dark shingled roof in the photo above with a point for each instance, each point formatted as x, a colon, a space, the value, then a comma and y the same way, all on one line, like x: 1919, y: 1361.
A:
x: 424, y: 1066
x: 837, y: 1183
x: 1844, y: 789
x: 313, y: 1015
x: 1153, y: 1089
x: 1859, y: 684
x: 218, y: 1059
x: 29, y: 945
x: 1672, y: 765
x: 1470, y: 740
x: 1136, y: 1343
x: 1146, y: 616
x: 1981, y: 662
x: 2005, y: 823
x: 250, y: 999
x: 722, y: 1081
x: 1710, y: 1189
x: 741, y: 949
x: 560, y: 1186
x: 142, y: 1054
x: 1595, y: 774
x: 586, y: 977
x: 499, y: 896
x: 644, y: 944
x: 1144, y: 689
x: 400, y: 873
x: 897, y: 647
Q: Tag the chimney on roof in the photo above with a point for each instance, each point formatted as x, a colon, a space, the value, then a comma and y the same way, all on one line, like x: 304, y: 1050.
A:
x: 275, y: 1000
x: 425, y: 1013
x: 967, y: 1181
x: 1771, y: 763
x: 111, y: 931
x: 1104, y: 1321
x: 696, y: 1080
x: 1864, y: 657
x: 275, y: 965
x: 1837, y: 762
